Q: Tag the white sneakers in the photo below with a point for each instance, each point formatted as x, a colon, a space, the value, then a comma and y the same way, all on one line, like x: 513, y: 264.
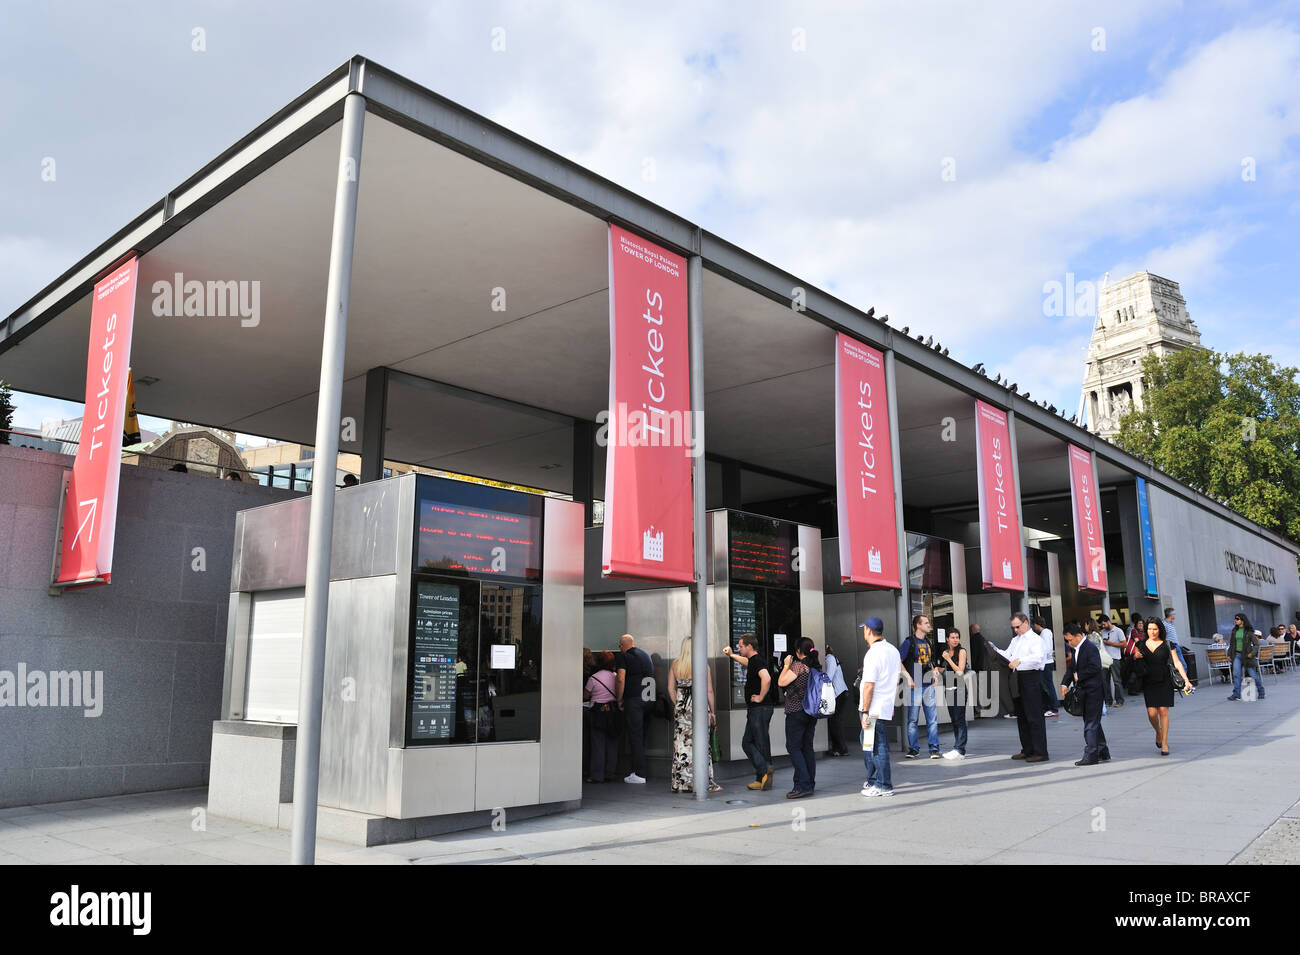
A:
x: 633, y: 778
x: 953, y: 754
x: 872, y: 792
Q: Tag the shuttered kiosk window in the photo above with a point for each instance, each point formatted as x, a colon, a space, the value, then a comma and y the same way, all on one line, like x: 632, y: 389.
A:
x: 274, y: 656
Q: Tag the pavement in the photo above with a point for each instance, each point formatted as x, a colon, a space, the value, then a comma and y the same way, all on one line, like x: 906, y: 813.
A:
x: 1228, y: 793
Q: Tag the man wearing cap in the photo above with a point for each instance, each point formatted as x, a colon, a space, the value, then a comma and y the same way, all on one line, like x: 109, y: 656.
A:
x: 1025, y: 657
x: 880, y: 672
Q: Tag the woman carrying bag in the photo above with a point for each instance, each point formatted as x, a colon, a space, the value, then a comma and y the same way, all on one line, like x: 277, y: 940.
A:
x: 1157, y: 667
x: 681, y: 693
x: 605, y: 723
x: 799, y: 726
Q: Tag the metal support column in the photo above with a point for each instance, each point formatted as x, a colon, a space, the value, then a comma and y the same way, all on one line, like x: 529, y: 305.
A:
x: 1101, y: 533
x: 374, y: 424
x: 731, y: 492
x: 700, y: 590
x: 1020, y: 514
x: 306, y: 773
x: 903, y: 604
x: 584, y: 457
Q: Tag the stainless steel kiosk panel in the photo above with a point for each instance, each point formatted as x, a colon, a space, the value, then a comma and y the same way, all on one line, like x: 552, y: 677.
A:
x: 453, y: 650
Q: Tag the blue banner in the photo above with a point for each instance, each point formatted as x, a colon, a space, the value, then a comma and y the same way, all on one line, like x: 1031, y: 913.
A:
x: 1148, y: 541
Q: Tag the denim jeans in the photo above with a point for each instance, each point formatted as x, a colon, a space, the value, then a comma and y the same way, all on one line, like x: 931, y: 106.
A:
x: 876, y: 758
x: 925, y: 698
x: 799, y: 729
x: 1238, y: 664
x: 1051, y: 692
x: 757, y: 741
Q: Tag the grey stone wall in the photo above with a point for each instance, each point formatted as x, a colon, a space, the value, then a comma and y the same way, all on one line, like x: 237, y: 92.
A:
x: 1190, y: 544
x: 157, y: 632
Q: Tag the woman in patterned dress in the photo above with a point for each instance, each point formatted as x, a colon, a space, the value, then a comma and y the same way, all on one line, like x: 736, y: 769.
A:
x: 679, y: 691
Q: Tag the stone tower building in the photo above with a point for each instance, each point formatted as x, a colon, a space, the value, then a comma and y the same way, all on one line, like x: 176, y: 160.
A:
x: 1137, y: 316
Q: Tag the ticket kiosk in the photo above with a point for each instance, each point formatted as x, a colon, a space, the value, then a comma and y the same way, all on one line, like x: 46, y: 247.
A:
x: 452, y: 654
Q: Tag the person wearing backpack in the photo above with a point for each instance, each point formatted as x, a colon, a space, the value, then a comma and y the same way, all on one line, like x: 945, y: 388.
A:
x: 919, y: 669
x: 799, y: 725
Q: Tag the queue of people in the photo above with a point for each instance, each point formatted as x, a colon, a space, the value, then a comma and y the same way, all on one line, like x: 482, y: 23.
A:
x: 1101, y: 660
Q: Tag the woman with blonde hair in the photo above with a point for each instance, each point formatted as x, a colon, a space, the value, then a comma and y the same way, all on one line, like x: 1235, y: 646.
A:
x: 679, y: 691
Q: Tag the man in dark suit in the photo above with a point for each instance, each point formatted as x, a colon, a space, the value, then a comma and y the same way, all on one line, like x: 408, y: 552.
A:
x: 1084, y: 670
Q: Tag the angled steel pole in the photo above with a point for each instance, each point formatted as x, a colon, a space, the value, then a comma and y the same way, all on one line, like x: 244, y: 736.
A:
x: 1020, y: 513
x: 700, y: 749
x: 1101, y: 533
x: 903, y: 600
x: 311, y: 691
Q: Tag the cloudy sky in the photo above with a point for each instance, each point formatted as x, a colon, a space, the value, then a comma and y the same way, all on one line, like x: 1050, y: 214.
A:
x: 942, y: 161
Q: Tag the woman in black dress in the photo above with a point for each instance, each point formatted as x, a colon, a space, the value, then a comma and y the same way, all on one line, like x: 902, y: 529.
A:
x: 1153, y: 657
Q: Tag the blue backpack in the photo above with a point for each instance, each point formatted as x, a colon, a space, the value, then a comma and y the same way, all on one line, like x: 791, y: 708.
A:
x: 819, y: 698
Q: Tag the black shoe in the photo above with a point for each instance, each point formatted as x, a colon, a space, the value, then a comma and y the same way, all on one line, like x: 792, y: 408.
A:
x: 1105, y: 757
x: 913, y: 753
x: 1087, y: 762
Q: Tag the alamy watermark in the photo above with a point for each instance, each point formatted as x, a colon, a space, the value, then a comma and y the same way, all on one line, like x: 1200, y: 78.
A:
x: 649, y: 427
x: 180, y: 298
x: 75, y: 689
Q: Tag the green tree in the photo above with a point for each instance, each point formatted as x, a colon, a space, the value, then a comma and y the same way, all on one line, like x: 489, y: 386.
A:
x: 1228, y: 425
x: 6, y: 411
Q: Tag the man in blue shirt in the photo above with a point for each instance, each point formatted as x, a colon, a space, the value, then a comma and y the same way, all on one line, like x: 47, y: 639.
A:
x: 919, y: 669
x: 1172, y: 635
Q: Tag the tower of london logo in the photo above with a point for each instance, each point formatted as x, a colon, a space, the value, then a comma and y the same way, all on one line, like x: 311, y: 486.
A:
x: 873, y: 560
x: 652, y: 545
x: 1006, y: 569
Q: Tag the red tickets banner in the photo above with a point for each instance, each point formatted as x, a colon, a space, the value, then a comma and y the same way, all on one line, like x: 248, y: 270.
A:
x: 1002, y: 556
x: 90, y: 505
x: 864, y: 467
x: 650, y: 432
x: 1089, y: 547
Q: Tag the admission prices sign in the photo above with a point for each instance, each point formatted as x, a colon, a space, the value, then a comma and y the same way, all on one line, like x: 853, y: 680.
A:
x: 864, y: 467
x: 1089, y: 549
x: 90, y: 504
x: 1001, y: 548
x: 648, y: 506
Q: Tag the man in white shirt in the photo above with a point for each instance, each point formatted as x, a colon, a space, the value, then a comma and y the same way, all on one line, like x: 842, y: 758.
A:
x: 1025, y: 656
x: 880, y: 673
x: 1053, y: 709
x: 1113, y: 640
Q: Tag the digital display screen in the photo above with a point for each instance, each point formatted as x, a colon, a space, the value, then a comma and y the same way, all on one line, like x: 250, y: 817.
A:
x: 436, y: 650
x: 761, y: 550
x: 478, y: 530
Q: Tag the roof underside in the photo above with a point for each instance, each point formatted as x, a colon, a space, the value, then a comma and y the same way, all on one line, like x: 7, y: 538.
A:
x: 471, y: 275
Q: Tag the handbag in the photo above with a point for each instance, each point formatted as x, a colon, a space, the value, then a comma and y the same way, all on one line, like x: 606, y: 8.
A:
x: 1179, y: 683
x: 1073, y: 701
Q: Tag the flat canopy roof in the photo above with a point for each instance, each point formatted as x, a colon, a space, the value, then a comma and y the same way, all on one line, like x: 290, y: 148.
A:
x: 480, y: 275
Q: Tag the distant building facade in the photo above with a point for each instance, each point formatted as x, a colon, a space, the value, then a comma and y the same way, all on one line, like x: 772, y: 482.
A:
x: 1140, y: 315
